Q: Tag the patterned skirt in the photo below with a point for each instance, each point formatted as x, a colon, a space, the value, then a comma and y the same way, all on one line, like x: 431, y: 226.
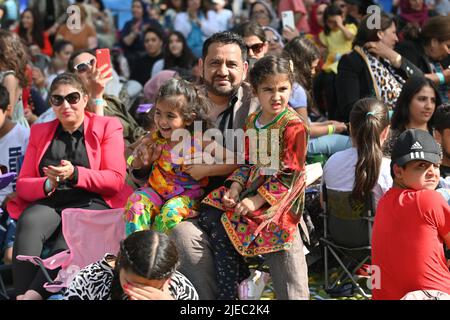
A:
x: 242, y: 230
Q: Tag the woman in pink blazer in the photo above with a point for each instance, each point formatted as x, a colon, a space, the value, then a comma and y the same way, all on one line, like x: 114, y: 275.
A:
x: 75, y: 161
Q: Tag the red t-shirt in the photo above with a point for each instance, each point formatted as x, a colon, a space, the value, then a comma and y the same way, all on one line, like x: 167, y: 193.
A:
x: 407, y: 243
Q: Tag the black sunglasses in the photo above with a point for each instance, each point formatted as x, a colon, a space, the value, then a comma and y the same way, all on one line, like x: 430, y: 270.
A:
x: 56, y: 100
x: 84, y: 66
x: 256, y: 48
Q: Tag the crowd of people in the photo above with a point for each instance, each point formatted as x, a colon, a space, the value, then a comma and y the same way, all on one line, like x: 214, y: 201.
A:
x: 371, y: 104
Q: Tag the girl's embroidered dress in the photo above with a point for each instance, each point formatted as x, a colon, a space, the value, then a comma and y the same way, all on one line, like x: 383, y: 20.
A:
x: 272, y: 227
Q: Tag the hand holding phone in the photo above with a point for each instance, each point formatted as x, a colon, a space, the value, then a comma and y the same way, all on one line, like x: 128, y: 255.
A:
x: 287, y: 19
x: 104, y: 58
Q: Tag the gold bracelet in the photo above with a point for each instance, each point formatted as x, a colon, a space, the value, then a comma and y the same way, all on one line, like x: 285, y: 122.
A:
x: 398, y: 60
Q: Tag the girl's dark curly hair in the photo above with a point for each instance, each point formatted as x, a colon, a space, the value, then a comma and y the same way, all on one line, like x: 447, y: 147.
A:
x: 148, y: 254
x: 194, y: 106
x: 13, y: 56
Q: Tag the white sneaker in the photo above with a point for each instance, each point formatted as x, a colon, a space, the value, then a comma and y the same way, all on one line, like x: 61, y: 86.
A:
x: 253, y: 287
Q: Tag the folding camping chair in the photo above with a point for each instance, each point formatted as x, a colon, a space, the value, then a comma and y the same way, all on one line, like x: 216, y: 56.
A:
x: 347, y: 235
x: 89, y: 234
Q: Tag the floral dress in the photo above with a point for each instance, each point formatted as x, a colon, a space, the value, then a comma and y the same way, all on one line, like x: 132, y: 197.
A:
x: 170, y: 195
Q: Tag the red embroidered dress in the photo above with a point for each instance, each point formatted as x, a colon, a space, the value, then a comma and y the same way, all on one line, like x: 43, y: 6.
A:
x: 272, y: 227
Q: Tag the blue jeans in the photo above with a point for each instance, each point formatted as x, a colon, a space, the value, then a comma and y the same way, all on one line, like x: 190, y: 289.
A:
x: 7, y: 232
x: 329, y: 144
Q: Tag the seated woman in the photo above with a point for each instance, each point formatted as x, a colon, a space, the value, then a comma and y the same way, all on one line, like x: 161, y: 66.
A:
x: 144, y: 269
x: 73, y: 161
x: 373, y: 68
x: 414, y: 109
x: 361, y: 169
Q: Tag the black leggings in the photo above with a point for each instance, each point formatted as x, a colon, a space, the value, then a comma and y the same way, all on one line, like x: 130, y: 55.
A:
x: 230, y: 265
x: 37, y: 225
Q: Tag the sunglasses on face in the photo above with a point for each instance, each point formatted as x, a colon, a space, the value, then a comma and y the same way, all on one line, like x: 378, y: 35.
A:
x: 84, y: 66
x: 72, y: 98
x: 256, y: 48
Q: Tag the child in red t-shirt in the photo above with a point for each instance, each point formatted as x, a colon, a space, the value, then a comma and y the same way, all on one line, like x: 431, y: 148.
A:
x: 412, y: 222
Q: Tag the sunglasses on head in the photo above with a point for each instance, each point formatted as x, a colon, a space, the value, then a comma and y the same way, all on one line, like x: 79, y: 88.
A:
x: 256, y: 48
x: 84, y: 66
x: 56, y: 100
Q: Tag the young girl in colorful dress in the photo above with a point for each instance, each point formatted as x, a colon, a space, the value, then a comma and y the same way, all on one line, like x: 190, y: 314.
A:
x: 170, y: 194
x: 258, y: 210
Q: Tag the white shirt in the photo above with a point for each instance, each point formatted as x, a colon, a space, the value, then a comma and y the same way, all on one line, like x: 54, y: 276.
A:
x: 339, y: 173
x: 12, y: 150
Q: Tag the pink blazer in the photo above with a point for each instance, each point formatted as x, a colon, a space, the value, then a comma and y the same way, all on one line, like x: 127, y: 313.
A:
x: 105, y: 149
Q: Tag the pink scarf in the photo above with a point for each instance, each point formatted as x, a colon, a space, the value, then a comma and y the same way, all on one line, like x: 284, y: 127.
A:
x: 410, y: 15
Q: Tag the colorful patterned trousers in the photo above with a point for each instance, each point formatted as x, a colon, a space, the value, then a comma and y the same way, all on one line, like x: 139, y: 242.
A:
x: 146, y: 209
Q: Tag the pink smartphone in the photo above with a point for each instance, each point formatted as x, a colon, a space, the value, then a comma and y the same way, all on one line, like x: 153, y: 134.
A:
x: 103, y: 57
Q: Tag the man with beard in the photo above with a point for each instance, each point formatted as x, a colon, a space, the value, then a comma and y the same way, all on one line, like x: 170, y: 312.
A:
x: 224, y: 67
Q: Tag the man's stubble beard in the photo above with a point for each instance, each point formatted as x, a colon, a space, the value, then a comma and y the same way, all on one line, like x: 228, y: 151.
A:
x: 210, y: 88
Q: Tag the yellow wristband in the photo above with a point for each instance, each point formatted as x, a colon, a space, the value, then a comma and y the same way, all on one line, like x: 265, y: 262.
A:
x: 330, y: 129
x: 130, y: 160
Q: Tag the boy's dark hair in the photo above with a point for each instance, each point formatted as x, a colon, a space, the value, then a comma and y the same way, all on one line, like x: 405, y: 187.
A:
x: 442, y: 118
x: 148, y: 254
x: 4, y: 98
x: 159, y: 33
x: 225, y: 37
x: 251, y: 28
x: 330, y: 11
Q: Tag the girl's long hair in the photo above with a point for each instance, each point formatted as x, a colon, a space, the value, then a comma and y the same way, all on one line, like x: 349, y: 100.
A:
x: 368, y: 118
x: 36, y: 33
x: 401, y: 116
x: 302, y: 52
x: 187, y: 59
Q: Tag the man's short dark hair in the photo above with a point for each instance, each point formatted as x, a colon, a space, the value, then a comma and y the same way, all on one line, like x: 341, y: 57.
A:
x: 225, y: 37
x: 251, y: 28
x: 4, y: 98
x: 442, y: 117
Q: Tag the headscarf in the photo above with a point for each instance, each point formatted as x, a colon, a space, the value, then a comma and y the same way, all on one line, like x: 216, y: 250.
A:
x: 277, y: 34
x: 152, y: 86
x: 413, y: 16
x: 314, y: 27
x: 274, y: 22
